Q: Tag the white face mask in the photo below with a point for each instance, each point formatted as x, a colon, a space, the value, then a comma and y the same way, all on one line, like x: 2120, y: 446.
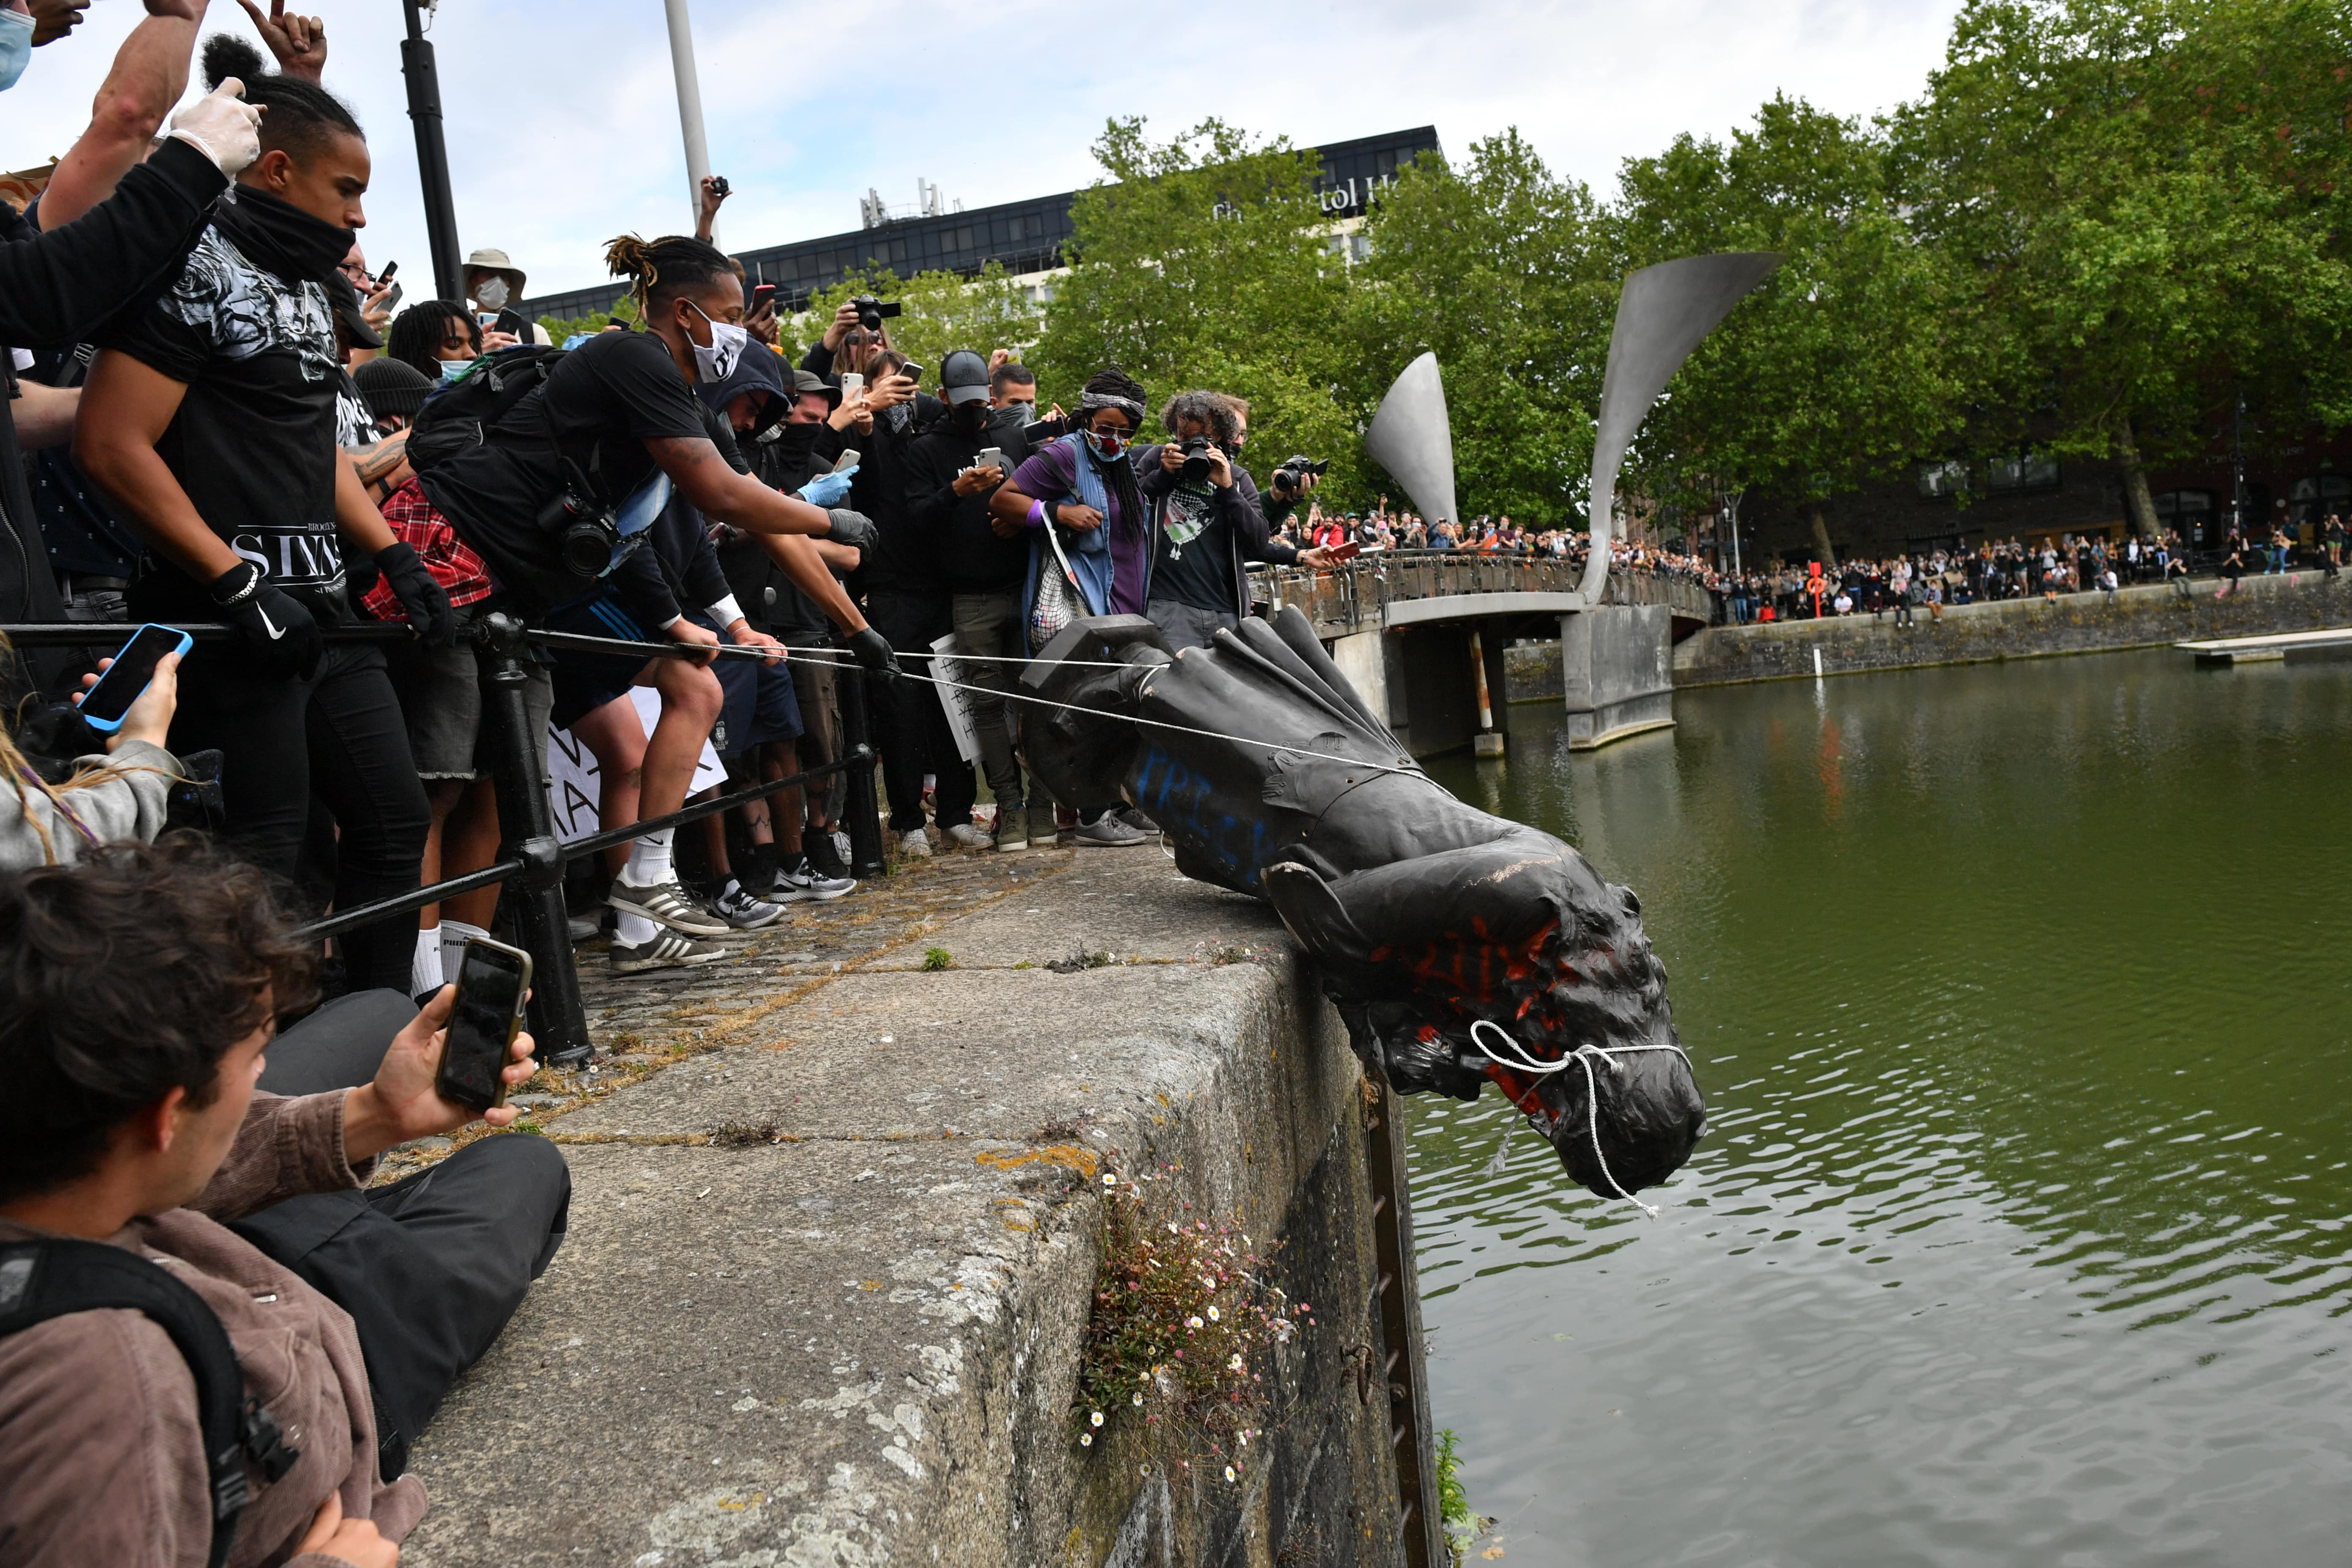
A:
x: 492, y: 294
x: 717, y: 362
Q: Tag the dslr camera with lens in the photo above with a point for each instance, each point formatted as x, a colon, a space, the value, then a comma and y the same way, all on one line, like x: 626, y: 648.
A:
x: 871, y: 314
x: 1296, y: 469
x: 588, y: 533
x: 1196, y: 459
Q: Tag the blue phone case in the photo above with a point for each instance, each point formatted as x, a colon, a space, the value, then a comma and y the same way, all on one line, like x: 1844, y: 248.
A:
x: 109, y: 726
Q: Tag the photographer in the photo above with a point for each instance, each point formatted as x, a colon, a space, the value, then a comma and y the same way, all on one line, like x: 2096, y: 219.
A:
x: 210, y: 419
x: 982, y: 563
x: 1208, y: 520
x: 133, y: 1121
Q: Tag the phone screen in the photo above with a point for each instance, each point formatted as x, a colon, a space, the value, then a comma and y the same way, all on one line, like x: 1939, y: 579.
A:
x: 491, y: 983
x: 127, y: 676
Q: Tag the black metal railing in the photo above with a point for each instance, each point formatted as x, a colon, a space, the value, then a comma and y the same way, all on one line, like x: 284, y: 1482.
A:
x: 530, y: 855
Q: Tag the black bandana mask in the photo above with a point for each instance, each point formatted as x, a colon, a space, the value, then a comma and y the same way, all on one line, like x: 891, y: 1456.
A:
x: 280, y: 237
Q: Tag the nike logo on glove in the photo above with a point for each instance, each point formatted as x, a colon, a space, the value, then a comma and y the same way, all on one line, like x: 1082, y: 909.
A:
x: 274, y: 631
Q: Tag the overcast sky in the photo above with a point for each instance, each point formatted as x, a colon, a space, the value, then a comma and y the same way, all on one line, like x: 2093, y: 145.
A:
x: 562, y: 121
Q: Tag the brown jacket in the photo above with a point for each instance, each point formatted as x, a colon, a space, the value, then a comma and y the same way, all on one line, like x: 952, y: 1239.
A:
x: 98, y: 1441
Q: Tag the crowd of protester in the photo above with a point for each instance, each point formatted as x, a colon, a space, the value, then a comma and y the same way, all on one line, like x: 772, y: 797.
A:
x: 1895, y: 586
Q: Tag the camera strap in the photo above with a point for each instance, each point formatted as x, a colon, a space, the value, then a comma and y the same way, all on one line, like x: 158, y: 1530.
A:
x: 52, y: 1279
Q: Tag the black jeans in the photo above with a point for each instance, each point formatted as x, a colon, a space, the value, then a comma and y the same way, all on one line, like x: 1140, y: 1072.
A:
x: 430, y: 1267
x: 338, y: 1047
x: 910, y: 729
x: 340, y: 732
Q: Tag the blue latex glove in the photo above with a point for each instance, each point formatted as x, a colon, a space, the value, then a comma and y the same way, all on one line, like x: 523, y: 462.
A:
x: 826, y: 489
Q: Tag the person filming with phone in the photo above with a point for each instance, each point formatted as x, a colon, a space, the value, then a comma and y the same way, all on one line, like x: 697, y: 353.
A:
x: 201, y: 1299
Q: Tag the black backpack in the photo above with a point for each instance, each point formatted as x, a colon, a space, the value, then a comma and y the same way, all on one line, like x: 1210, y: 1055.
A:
x: 45, y: 1279
x: 458, y: 417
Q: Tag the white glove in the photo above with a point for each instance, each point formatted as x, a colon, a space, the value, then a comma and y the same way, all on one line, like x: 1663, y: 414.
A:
x: 223, y: 127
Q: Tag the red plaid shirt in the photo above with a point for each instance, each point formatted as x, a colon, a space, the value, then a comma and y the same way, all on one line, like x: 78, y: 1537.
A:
x: 453, y: 564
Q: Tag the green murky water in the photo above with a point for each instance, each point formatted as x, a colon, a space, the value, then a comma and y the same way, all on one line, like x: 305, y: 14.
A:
x: 2022, y: 999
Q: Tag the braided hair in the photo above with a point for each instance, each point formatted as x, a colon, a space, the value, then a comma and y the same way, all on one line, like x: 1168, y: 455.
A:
x: 1111, y: 387
x: 303, y: 116
x: 666, y: 268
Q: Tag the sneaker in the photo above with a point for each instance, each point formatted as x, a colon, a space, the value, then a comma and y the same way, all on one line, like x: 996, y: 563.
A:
x: 664, y: 903
x: 1042, y: 831
x: 913, y: 845
x: 667, y: 950
x: 806, y: 880
x: 584, y: 928
x: 821, y: 857
x: 1108, y: 832
x: 1133, y: 817
x: 964, y: 836
x: 841, y: 851
x: 1012, y: 827
x: 739, y: 909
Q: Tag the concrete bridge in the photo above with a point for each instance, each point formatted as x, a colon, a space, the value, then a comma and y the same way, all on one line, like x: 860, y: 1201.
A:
x: 1421, y: 633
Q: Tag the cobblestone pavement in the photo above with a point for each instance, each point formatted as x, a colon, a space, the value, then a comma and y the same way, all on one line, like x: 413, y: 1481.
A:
x: 642, y: 1022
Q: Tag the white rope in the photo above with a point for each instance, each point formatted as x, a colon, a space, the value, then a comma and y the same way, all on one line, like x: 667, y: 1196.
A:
x: 1519, y: 1061
x: 976, y: 658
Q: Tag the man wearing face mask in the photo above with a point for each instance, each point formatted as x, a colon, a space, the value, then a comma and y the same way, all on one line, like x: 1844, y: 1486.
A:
x: 493, y: 283
x: 947, y: 502
x: 126, y: 249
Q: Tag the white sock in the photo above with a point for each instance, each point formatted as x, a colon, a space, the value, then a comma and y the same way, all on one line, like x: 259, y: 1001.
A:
x: 455, y: 935
x: 424, y: 969
x: 648, y: 860
x: 633, y: 928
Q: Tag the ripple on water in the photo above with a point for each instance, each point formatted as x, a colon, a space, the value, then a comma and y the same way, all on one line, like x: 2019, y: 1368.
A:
x: 2018, y: 1233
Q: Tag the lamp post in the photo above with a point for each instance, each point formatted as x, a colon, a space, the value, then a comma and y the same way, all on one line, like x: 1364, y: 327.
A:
x: 432, y: 153
x: 689, y: 109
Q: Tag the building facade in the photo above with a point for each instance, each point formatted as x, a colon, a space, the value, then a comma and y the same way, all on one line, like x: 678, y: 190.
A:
x: 1026, y: 237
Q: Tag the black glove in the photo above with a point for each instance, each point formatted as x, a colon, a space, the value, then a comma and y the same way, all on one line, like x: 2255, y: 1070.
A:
x: 424, y: 599
x: 873, y: 650
x: 277, y: 630
x: 853, y: 529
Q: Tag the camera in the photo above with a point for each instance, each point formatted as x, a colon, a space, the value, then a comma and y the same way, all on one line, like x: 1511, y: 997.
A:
x: 587, y: 532
x: 1196, y: 459
x: 1296, y: 469
x: 871, y: 314
x: 720, y: 187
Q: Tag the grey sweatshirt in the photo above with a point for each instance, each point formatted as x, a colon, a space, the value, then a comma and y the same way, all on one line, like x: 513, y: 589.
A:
x: 130, y: 805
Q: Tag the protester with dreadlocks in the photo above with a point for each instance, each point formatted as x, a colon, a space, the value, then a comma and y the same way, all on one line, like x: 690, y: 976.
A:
x: 590, y: 457
x: 1090, y: 549
x: 209, y: 419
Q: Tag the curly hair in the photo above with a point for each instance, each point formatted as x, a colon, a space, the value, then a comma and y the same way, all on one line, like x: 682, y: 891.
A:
x: 123, y: 978
x: 1211, y: 411
x: 303, y: 116
x: 415, y: 335
x: 666, y: 268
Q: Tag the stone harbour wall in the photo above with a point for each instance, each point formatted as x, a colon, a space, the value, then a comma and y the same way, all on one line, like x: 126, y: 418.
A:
x: 835, y: 1234
x: 2151, y: 617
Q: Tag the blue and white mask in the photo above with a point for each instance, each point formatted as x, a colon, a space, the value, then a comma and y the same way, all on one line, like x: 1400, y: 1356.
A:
x: 15, y: 47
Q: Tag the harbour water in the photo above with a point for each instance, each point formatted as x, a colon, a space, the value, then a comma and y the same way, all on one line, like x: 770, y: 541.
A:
x: 2022, y: 998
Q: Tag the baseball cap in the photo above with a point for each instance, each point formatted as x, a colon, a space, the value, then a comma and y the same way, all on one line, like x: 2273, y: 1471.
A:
x: 807, y: 381
x: 963, y: 378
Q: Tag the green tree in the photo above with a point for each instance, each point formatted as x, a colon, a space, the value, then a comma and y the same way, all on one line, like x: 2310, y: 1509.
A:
x: 2150, y: 199
x: 1505, y: 271
x: 1207, y: 261
x: 1836, y: 371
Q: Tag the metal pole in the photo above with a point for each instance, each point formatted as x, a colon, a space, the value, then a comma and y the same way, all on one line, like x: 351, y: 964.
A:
x: 432, y: 154
x: 689, y: 109
x: 527, y: 829
x: 864, y: 810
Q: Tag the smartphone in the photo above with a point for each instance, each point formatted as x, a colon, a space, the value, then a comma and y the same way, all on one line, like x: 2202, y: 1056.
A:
x: 911, y: 371
x: 509, y: 319
x: 849, y: 459
x: 989, y: 458
x: 762, y: 294
x: 385, y: 276
x: 391, y: 298
x: 1347, y: 551
x: 1045, y: 430
x: 852, y: 384
x: 492, y: 980
x: 106, y: 705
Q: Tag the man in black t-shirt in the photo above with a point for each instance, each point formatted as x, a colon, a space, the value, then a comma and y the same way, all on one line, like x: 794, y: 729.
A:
x: 210, y: 420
